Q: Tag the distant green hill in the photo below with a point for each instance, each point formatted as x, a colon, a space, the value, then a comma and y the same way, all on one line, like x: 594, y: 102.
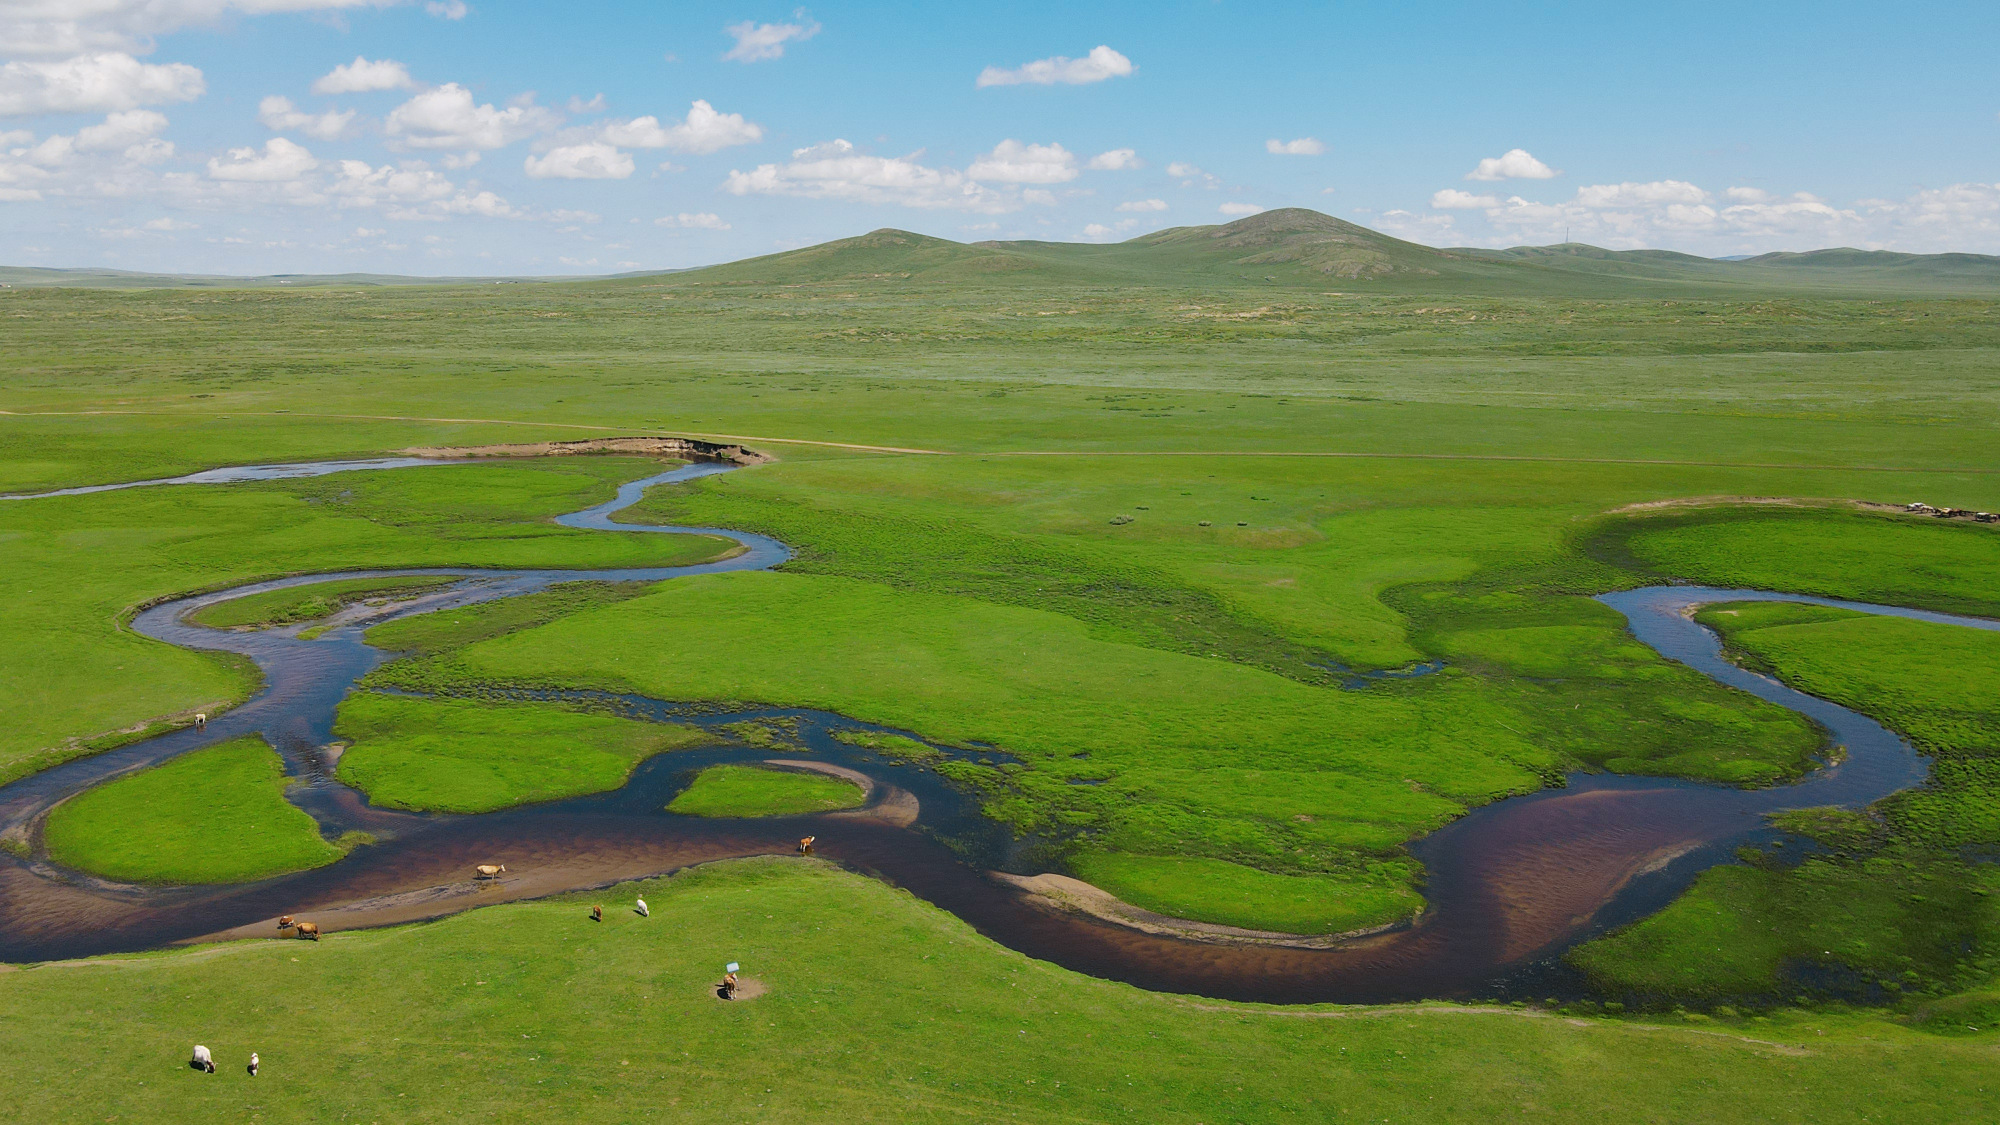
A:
x: 1839, y: 270
x: 1295, y: 247
x: 1291, y: 247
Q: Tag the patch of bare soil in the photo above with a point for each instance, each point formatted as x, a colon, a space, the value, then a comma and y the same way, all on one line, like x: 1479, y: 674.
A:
x: 747, y: 988
x: 886, y: 803
x: 1060, y: 892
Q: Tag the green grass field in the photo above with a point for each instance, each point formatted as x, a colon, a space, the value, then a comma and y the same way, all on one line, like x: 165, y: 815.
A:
x: 1902, y: 901
x: 217, y: 815
x: 310, y: 603
x: 878, y: 1008
x: 75, y: 674
x: 445, y: 756
x: 749, y: 791
x: 1165, y: 519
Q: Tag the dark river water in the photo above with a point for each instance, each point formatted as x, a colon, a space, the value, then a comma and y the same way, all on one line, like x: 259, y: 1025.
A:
x: 1511, y: 885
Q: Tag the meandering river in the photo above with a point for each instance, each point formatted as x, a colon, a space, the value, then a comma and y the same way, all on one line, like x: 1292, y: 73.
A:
x: 1512, y: 884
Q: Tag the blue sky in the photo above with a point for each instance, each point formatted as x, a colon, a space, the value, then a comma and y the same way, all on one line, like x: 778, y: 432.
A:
x: 481, y: 136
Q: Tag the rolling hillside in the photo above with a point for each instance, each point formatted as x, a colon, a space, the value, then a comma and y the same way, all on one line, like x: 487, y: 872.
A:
x: 1292, y: 247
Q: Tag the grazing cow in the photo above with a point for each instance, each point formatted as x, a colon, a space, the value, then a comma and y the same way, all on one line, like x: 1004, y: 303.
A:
x: 806, y: 844
x: 285, y: 922
x: 201, y: 720
x: 490, y: 870
x: 727, y: 990
x: 309, y: 930
x: 202, y: 1060
x: 641, y: 910
x: 597, y: 914
x: 253, y: 1064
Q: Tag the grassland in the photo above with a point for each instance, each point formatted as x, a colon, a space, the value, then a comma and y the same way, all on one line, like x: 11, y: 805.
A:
x: 879, y: 1009
x: 306, y: 603
x: 436, y: 755
x: 1900, y: 560
x: 217, y: 815
x: 1387, y: 475
x: 734, y: 791
x: 1899, y: 901
x: 75, y: 674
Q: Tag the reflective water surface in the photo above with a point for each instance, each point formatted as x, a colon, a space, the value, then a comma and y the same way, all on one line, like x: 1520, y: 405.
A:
x: 1511, y: 885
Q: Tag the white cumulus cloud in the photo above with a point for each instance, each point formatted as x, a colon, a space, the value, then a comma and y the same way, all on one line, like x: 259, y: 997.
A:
x: 120, y: 130
x: 838, y: 170
x: 447, y: 9
x: 93, y: 84
x: 69, y: 27
x: 1142, y: 205
x: 705, y: 220
x: 704, y: 130
x: 447, y: 117
x: 1101, y: 63
x: 1639, y: 195
x: 1452, y: 199
x: 1116, y: 160
x: 1304, y: 146
x: 595, y: 160
x: 1012, y: 162
x: 756, y: 42
x: 1514, y: 164
x: 281, y: 161
x: 1191, y: 176
x: 278, y: 113
x: 1239, y: 209
x: 363, y: 76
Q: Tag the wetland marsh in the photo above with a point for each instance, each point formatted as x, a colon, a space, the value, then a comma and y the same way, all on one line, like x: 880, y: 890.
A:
x: 1113, y: 625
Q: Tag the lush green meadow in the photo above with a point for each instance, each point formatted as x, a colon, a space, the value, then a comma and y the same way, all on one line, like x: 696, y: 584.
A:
x: 217, y: 815
x: 296, y: 604
x: 1899, y: 899
x: 437, y: 755
x: 72, y: 568
x: 750, y: 791
x: 879, y: 1008
x: 1154, y: 533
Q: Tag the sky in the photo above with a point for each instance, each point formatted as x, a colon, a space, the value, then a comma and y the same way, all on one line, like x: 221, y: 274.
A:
x: 485, y: 137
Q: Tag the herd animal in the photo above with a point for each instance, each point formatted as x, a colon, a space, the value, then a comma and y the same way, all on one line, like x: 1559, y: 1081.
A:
x: 204, y: 1061
x: 490, y: 870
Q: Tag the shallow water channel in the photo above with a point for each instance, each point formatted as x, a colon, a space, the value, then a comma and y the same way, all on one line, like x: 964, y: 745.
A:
x: 1512, y: 885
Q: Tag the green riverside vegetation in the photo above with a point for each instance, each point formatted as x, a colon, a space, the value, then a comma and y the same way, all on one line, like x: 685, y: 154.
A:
x: 73, y: 674
x: 1898, y: 902
x: 531, y: 1012
x: 217, y: 815
x: 1165, y: 505
x: 293, y: 605
x: 750, y: 791
x: 437, y: 755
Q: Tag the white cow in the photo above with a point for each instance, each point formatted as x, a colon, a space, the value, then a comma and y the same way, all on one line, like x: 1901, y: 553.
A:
x: 641, y: 909
x: 253, y: 1064
x: 201, y: 720
x: 202, y: 1060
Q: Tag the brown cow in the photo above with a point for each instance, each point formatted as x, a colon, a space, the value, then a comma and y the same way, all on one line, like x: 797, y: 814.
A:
x: 597, y: 914
x: 490, y: 870
x: 309, y: 930
x: 285, y: 922
x: 806, y: 844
